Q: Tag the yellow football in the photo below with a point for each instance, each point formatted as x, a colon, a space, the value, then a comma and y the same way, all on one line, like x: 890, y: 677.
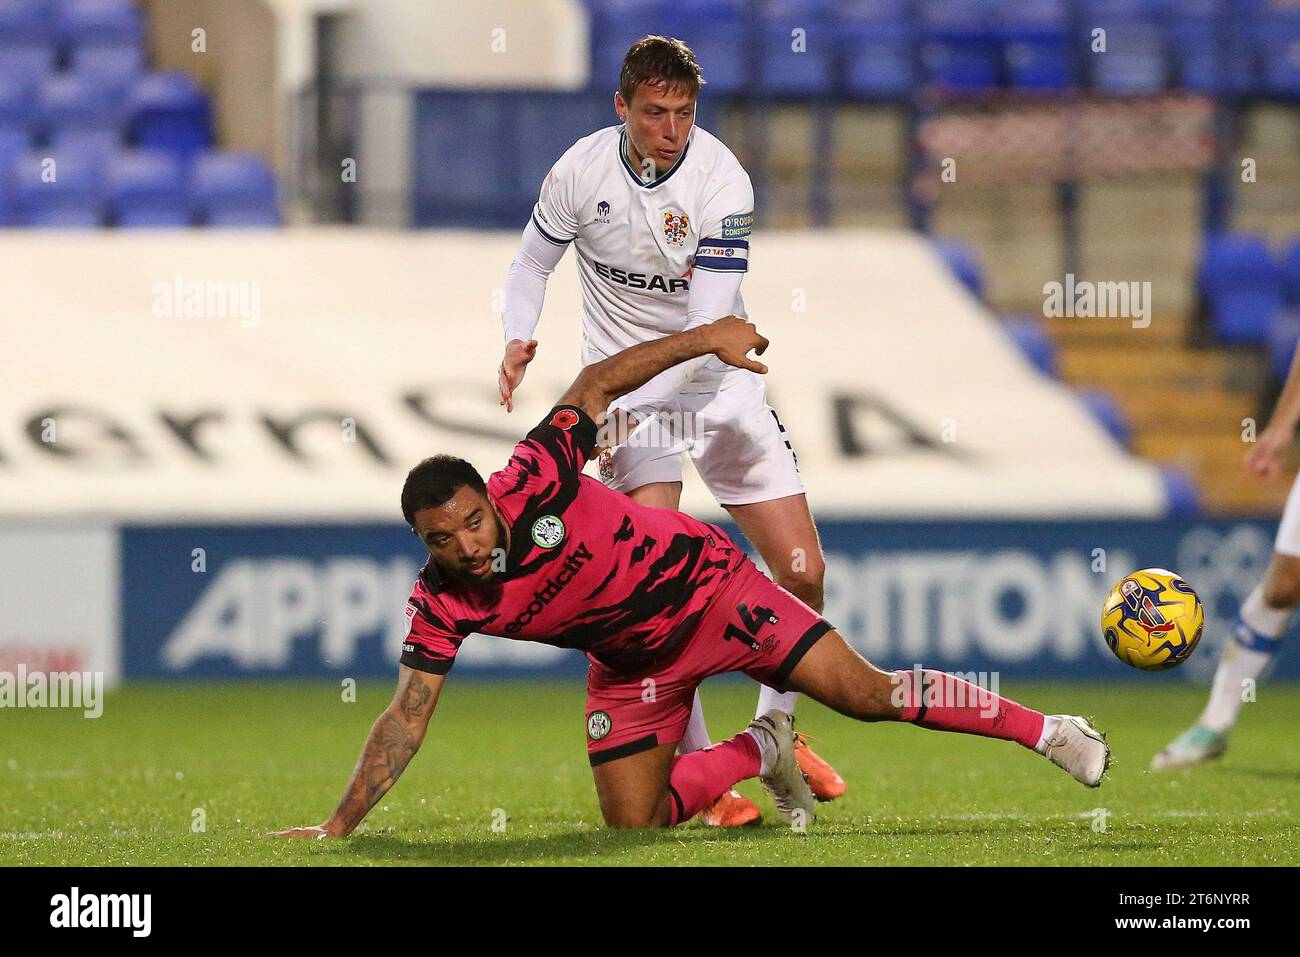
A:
x: 1152, y: 619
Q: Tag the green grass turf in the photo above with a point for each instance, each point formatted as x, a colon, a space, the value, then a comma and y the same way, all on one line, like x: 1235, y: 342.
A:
x: 122, y: 789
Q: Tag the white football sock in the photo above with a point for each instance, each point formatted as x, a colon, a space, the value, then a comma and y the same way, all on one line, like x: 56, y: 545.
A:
x: 1255, y: 639
x: 697, y: 735
x: 766, y: 749
x: 769, y: 698
x: 1050, y: 724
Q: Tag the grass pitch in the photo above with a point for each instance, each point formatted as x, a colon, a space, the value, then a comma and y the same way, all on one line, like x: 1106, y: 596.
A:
x: 132, y: 786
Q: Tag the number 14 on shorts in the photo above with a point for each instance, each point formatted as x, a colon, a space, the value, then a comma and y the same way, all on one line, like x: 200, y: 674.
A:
x: 753, y: 622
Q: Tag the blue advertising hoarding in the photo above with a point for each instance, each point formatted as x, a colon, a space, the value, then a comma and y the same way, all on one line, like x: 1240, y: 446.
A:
x: 1019, y: 598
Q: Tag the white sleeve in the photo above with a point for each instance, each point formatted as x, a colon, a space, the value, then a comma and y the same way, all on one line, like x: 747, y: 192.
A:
x: 550, y: 229
x: 525, y: 287
x: 720, y: 263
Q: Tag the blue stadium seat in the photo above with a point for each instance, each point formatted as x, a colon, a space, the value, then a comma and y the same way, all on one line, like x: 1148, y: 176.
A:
x: 1123, y: 9
x: 961, y: 260
x: 71, y: 197
x: 234, y: 189
x: 793, y: 12
x: 543, y: 126
x: 118, y: 68
x: 1040, y: 63
x: 105, y: 24
x: 615, y: 26
x: 13, y: 144
x: 717, y: 31
x: 1035, y: 44
x: 969, y: 66
x: 1183, y: 496
x: 1280, y: 54
x: 452, y: 192
x: 1135, y: 59
x: 147, y: 188
x: 168, y: 111
x: 960, y: 49
x: 1283, y: 336
x: 1033, y: 342
x: 77, y: 106
x: 1108, y: 414
x: 1291, y: 274
x: 797, y: 44
x: 28, y: 39
x: 882, y: 12
x: 1241, y: 286
x: 878, y: 59
x: 19, y: 109
x: 1212, y: 55
x: 30, y: 63
x: 786, y: 72
x: 27, y: 20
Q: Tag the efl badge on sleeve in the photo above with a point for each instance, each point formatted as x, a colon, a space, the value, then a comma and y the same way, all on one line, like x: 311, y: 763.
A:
x: 676, y: 226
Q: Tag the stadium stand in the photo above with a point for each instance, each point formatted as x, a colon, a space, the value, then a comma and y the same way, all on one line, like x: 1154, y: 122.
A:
x: 129, y: 146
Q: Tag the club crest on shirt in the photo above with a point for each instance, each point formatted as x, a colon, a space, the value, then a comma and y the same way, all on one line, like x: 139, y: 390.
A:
x: 598, y: 725
x: 676, y: 226
x: 548, y: 531
x: 606, y: 464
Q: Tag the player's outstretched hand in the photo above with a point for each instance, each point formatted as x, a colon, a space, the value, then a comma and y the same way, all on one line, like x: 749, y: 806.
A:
x: 1265, y: 459
x: 316, y: 832
x: 511, y: 372
x: 732, y: 337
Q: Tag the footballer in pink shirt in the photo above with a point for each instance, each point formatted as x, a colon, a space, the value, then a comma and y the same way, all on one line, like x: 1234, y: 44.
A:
x: 655, y: 599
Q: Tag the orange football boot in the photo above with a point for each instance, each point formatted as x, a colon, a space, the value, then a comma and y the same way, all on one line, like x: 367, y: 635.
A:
x: 731, y: 810
x: 824, y: 780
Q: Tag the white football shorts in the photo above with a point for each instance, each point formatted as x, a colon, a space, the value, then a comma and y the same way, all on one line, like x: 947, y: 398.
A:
x: 739, y: 446
x: 1288, y: 530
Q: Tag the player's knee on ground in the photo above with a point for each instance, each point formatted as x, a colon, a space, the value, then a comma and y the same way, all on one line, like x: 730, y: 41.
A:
x: 806, y: 581
x: 633, y: 817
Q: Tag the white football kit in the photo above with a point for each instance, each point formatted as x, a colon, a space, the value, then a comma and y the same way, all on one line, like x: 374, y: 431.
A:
x: 657, y: 257
x: 1288, y: 529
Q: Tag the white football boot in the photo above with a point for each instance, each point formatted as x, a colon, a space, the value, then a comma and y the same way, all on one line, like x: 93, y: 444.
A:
x: 784, y: 782
x: 1194, y: 746
x: 1079, y: 748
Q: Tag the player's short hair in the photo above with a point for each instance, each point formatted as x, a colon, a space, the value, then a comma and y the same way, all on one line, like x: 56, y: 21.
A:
x: 665, y: 60
x: 435, y: 481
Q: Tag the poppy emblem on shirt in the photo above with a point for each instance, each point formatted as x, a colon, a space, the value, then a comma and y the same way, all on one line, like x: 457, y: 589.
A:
x: 548, y: 531
x: 675, y: 227
x: 564, y: 419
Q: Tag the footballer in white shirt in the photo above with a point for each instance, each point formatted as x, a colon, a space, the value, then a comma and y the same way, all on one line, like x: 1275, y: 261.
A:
x: 659, y: 213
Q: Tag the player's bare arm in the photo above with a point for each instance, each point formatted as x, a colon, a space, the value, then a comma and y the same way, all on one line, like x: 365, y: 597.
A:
x: 394, y: 738
x: 600, y: 383
x: 1265, y: 459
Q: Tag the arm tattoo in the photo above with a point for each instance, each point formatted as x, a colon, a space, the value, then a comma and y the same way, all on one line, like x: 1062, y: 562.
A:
x: 389, y: 748
x: 416, y: 699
